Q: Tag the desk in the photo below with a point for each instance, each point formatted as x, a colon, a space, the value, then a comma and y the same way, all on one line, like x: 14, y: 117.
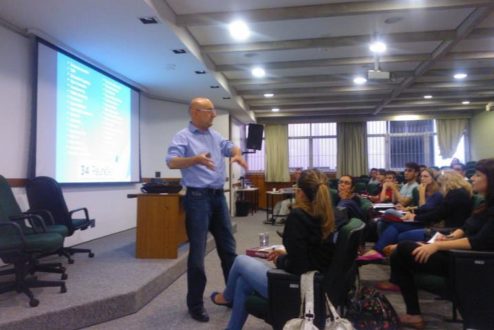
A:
x: 270, y: 196
x: 250, y: 194
x: 160, y: 225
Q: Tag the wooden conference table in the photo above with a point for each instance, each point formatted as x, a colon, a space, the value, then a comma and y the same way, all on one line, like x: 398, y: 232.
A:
x: 160, y: 225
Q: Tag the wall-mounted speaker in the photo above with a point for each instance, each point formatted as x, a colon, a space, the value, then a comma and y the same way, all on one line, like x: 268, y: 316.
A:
x: 254, y: 136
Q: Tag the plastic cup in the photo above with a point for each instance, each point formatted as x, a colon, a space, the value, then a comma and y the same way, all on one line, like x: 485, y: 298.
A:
x: 263, y: 239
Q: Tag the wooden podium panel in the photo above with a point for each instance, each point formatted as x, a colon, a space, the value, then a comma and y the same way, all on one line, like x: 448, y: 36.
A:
x: 160, y: 225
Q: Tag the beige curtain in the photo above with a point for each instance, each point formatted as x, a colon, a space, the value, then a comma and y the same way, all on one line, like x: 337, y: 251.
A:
x: 449, y: 132
x: 352, y: 149
x: 277, y: 153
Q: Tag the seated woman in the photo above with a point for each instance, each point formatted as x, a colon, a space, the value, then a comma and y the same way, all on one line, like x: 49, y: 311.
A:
x: 348, y: 199
x: 454, y: 208
x: 308, y: 239
x: 477, y: 233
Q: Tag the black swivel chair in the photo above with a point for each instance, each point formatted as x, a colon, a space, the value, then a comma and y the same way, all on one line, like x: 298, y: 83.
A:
x: 19, y: 250
x: 45, y: 193
x: 283, y: 288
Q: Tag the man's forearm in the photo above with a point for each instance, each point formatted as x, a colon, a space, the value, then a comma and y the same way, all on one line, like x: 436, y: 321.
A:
x: 182, y: 162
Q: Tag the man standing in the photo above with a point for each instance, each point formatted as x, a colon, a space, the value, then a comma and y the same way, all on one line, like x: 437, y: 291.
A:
x: 198, y: 152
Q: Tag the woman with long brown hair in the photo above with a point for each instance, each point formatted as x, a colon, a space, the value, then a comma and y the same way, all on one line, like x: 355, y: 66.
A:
x: 309, y: 241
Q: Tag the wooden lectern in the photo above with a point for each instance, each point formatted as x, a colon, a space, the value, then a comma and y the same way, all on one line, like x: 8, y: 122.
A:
x: 160, y: 225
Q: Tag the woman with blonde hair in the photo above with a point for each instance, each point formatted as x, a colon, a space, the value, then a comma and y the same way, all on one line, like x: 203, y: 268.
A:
x: 309, y: 241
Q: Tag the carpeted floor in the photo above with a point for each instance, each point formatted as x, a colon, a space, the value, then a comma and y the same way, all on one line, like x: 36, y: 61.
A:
x: 99, y: 285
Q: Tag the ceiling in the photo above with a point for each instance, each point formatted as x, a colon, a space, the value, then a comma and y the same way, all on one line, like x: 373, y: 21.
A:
x: 311, y: 51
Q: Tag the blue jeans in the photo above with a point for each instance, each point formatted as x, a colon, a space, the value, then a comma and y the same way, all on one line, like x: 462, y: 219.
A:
x: 390, y: 231
x: 417, y: 235
x: 246, y: 276
x: 206, y: 210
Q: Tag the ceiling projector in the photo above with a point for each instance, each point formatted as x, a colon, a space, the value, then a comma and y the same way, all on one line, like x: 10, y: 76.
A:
x: 378, y: 75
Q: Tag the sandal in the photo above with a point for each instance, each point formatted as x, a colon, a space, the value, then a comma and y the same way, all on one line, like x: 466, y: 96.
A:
x: 213, y: 299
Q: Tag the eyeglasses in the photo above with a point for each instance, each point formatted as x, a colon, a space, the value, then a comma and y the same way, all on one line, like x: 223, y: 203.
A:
x: 207, y: 110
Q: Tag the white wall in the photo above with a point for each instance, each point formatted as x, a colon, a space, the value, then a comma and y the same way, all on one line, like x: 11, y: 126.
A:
x: 481, y: 142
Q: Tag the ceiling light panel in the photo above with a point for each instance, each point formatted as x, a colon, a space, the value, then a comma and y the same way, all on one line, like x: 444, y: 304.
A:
x: 239, y: 31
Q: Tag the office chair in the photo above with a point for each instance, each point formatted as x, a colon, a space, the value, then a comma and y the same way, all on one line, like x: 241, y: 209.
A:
x: 10, y: 210
x: 45, y: 193
x: 471, y: 274
x: 19, y: 250
x: 283, y: 301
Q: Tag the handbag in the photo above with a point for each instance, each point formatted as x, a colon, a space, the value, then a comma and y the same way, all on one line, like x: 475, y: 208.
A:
x: 306, y: 319
x: 371, y: 310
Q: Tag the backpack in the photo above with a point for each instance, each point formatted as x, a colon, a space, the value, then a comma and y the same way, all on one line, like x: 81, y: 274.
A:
x: 369, y: 309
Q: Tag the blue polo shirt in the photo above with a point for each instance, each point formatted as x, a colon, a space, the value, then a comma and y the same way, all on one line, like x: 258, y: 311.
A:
x: 190, y: 142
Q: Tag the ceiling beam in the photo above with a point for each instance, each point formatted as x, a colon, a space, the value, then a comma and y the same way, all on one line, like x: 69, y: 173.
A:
x: 356, y: 61
x: 325, y: 10
x: 324, y: 62
x: 467, y: 26
x: 330, y: 42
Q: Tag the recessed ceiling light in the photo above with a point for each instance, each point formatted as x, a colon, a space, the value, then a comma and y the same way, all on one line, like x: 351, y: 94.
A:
x: 200, y: 72
x: 148, y: 20
x: 275, y: 109
x: 268, y: 95
x: 460, y: 75
x: 377, y: 47
x: 359, y: 80
x: 179, y: 51
x: 239, y: 30
x: 393, y: 19
x: 427, y: 97
x: 465, y: 102
x: 258, y: 72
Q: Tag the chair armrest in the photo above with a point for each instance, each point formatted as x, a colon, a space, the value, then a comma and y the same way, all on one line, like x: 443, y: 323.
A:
x: 276, y: 273
x: 35, y: 221
x: 45, y: 214
x: 472, y: 253
x: 86, y: 213
x: 17, y: 228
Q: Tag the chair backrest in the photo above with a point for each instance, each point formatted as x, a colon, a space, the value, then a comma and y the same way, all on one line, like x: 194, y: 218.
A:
x: 45, y: 193
x: 8, y: 203
x: 471, y: 279
x: 340, y: 276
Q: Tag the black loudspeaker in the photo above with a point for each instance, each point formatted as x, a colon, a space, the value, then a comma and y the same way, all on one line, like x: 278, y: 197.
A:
x: 254, y: 136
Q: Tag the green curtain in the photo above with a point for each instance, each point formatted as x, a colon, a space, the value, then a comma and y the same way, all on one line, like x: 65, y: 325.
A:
x: 277, y: 153
x: 352, y: 149
x: 449, y: 132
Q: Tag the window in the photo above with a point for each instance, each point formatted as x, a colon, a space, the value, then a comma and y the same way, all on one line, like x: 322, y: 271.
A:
x: 256, y: 160
x: 312, y: 145
x: 309, y: 145
x: 391, y: 144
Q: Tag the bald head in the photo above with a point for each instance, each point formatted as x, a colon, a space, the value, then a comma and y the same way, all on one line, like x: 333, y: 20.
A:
x: 202, y: 112
x: 200, y: 102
